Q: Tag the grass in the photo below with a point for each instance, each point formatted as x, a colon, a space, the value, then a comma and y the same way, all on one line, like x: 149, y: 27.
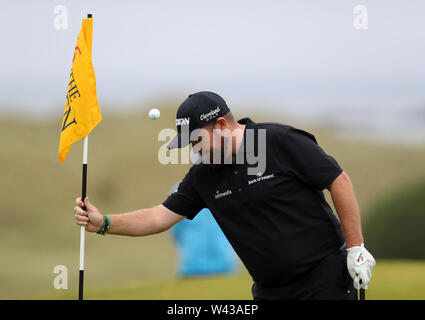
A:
x: 391, y: 280
x: 37, y: 229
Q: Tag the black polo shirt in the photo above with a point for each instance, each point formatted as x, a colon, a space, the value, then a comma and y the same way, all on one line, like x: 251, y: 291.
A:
x: 279, y: 223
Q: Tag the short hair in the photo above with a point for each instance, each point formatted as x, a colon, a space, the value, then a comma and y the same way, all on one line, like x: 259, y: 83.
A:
x: 229, y: 117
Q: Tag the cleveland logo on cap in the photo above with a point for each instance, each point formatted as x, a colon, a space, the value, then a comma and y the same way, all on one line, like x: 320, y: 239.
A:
x: 210, y: 115
x: 182, y: 121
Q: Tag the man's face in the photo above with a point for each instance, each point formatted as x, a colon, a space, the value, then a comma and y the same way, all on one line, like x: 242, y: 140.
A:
x: 205, y: 144
x: 214, y: 143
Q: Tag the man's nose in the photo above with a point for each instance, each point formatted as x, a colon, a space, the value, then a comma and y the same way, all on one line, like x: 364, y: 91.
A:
x: 196, y: 147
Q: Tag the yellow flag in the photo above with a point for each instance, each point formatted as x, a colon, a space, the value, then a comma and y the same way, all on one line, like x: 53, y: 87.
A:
x: 82, y: 111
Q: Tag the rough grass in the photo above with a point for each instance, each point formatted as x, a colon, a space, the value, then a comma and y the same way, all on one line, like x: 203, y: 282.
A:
x: 391, y: 280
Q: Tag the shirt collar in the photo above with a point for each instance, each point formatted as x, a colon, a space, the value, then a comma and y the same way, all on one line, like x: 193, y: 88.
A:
x: 249, y: 124
x: 247, y: 121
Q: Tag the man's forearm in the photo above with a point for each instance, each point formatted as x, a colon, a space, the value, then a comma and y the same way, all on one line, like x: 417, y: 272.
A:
x: 137, y: 223
x: 347, y: 208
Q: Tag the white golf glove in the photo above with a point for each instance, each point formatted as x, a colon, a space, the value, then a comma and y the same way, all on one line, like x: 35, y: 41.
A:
x: 360, y: 264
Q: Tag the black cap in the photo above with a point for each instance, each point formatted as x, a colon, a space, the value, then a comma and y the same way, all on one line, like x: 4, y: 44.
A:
x: 198, y: 110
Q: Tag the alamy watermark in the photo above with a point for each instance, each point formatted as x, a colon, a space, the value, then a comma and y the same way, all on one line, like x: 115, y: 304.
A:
x: 217, y: 147
x: 60, y: 282
x: 360, y: 21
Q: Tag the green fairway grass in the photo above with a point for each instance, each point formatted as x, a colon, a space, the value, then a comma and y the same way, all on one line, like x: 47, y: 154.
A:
x: 392, y: 280
x: 37, y: 229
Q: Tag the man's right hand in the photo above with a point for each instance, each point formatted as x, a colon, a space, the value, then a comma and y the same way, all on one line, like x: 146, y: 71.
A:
x: 360, y: 264
x: 92, y: 219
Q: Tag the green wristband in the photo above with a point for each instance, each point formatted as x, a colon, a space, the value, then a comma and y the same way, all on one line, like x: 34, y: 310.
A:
x: 105, y: 226
x: 109, y: 223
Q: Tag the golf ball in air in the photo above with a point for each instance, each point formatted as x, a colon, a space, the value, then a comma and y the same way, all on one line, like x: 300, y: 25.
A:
x: 154, y: 114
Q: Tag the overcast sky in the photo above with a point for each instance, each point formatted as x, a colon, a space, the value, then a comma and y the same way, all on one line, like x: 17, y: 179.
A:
x: 299, y: 55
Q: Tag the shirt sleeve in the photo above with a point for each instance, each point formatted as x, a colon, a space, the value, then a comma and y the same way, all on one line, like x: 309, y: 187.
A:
x: 307, y: 159
x: 186, y: 200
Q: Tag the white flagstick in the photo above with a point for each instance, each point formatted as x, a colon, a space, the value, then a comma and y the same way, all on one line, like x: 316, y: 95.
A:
x: 83, y: 197
x: 83, y: 229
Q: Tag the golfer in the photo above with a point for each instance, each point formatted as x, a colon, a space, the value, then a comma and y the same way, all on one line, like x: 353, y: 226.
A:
x: 272, y: 210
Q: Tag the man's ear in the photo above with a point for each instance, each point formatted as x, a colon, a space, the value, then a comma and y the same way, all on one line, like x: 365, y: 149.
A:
x: 220, y: 123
